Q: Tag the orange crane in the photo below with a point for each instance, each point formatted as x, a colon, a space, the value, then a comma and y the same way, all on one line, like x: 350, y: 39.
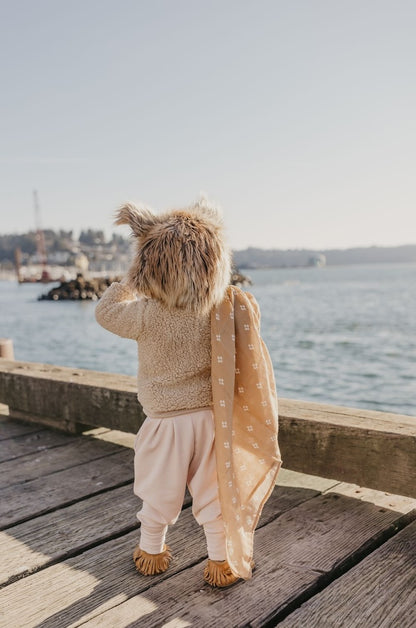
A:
x: 40, y: 240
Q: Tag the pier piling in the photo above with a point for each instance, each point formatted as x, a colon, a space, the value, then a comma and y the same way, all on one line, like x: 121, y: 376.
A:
x: 6, y: 348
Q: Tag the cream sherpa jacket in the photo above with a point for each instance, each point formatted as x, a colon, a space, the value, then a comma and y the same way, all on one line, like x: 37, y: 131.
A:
x: 174, y: 350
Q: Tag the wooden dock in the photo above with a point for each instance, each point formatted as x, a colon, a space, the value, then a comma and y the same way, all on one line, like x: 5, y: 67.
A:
x: 333, y: 549
x: 327, y: 553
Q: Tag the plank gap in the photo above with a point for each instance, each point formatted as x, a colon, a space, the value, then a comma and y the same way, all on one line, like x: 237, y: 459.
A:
x: 117, y: 449
x: 46, y: 474
x: 340, y: 569
x: 40, y: 448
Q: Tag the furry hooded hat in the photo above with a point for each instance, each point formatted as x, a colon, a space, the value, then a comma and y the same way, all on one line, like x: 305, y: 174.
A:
x: 181, y: 257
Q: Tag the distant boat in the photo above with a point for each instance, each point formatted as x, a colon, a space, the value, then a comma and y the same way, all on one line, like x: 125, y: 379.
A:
x: 317, y: 260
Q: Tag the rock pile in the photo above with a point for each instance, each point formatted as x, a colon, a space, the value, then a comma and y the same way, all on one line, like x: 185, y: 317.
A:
x: 238, y: 279
x: 79, y: 289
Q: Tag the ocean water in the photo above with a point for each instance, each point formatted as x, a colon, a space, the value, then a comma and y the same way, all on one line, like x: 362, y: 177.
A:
x: 344, y: 335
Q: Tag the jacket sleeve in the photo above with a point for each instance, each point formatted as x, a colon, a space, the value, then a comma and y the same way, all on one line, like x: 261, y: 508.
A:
x: 120, y: 312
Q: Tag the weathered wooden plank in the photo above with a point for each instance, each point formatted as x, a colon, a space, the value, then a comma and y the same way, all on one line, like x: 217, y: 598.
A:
x: 116, y: 436
x: 14, y: 375
x: 342, y: 415
x: 10, y: 429
x: 33, y: 498
x: 353, y: 449
x: 47, y: 461
x: 32, y: 443
x: 378, y: 592
x: 286, y: 477
x: 103, y: 576
x: 398, y: 503
x: 29, y: 546
x: 293, y: 554
x: 65, y: 425
x: 64, y: 396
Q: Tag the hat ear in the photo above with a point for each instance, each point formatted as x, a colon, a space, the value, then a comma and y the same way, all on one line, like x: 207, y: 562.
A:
x: 140, y: 219
x: 208, y: 209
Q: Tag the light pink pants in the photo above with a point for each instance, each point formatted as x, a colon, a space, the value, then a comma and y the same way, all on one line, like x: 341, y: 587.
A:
x: 170, y: 454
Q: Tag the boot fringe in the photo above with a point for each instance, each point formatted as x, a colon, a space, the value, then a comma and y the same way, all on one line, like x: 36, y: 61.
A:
x: 219, y: 574
x: 151, y: 564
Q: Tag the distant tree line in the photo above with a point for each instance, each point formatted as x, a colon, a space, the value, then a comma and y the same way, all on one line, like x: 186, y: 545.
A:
x: 54, y: 241
x: 26, y: 242
x: 278, y: 258
x: 92, y: 237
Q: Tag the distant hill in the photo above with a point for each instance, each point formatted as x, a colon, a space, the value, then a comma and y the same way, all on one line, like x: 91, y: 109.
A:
x: 279, y: 258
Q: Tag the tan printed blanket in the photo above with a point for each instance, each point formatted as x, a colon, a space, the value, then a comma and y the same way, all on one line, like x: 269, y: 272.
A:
x: 246, y: 422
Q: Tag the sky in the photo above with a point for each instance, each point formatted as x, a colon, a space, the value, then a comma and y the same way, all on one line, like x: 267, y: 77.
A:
x: 296, y: 117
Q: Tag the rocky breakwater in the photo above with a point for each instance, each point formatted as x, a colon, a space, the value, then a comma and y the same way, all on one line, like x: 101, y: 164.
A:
x: 79, y: 289
x: 82, y: 289
x: 238, y: 279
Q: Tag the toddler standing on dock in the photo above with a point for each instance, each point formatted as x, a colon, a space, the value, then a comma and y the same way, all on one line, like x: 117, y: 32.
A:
x: 206, y: 385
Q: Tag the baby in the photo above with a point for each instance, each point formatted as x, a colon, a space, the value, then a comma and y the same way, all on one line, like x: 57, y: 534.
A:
x: 177, y: 304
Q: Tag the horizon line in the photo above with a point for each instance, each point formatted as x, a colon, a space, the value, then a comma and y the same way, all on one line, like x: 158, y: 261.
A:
x: 245, y: 248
